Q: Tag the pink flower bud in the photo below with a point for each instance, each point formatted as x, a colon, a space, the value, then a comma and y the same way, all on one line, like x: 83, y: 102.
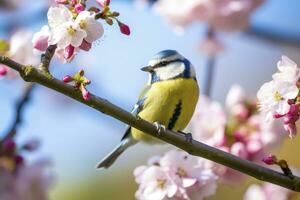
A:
x: 19, y: 160
x: 85, y: 94
x: 238, y: 136
x: 9, y: 145
x: 40, y: 42
x: 67, y: 79
x: 124, y: 28
x: 103, y: 3
x: 79, y: 7
x: 87, y: 82
x: 3, y: 70
x: 86, y: 46
x: 270, y: 159
x: 69, y: 52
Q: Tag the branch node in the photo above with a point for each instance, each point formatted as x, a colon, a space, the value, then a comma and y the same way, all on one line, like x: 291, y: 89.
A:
x: 26, y: 72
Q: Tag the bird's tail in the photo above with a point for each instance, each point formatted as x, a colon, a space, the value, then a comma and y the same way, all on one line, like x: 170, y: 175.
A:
x: 112, y: 157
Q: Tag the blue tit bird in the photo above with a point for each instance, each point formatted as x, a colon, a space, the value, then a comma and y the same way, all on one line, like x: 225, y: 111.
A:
x: 168, y: 100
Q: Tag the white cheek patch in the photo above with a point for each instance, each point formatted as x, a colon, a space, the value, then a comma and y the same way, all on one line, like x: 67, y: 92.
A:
x: 170, y: 71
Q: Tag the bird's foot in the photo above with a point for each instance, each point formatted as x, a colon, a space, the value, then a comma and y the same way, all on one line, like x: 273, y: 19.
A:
x: 160, y: 128
x: 188, y: 136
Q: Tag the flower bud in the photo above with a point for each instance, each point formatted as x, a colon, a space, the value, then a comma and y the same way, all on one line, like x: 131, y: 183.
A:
x: 19, y: 160
x: 124, y: 28
x: 67, y: 79
x: 79, y: 7
x: 40, y: 41
x: 86, y: 46
x: 3, y: 70
x: 270, y: 159
x: 9, y: 145
x: 238, y: 136
x: 103, y: 3
x: 69, y: 52
x: 87, y: 81
x: 85, y: 94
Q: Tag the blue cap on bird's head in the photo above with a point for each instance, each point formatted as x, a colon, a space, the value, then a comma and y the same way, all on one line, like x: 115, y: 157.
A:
x: 169, y: 64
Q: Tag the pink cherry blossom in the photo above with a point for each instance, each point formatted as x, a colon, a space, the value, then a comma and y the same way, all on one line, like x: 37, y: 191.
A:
x: 249, y: 136
x: 267, y: 191
x: 175, y: 175
x: 203, y: 128
x: 40, y: 39
x: 225, y: 15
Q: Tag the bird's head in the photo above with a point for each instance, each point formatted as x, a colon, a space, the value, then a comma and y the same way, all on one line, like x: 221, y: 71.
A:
x: 167, y: 65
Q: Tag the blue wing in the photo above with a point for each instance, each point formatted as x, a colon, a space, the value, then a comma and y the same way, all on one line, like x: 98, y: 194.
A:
x: 138, y: 107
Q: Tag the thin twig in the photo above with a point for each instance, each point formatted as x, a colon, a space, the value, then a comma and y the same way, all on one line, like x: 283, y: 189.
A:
x: 28, y: 89
x: 31, y: 74
x: 47, y: 57
x: 19, y: 110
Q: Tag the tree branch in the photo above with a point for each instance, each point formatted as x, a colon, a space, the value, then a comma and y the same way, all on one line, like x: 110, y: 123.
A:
x: 44, y: 66
x: 19, y: 110
x: 31, y: 74
x: 47, y: 57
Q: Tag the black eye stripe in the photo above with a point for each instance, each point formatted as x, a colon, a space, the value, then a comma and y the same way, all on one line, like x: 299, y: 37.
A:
x: 164, y: 63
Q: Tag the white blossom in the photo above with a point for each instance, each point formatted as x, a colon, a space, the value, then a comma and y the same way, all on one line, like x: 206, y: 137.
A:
x: 86, y: 21
x: 288, y: 71
x: 273, y: 97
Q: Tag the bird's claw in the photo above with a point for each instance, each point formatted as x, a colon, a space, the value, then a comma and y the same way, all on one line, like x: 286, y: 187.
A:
x: 188, y: 136
x: 160, y: 128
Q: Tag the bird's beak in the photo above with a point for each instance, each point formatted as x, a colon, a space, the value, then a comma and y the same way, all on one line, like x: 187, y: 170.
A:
x: 147, y: 69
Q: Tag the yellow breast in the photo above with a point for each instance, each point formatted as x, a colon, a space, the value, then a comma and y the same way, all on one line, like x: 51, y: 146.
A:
x: 170, y: 103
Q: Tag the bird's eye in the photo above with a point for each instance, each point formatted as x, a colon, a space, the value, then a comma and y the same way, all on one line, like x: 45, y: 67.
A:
x: 163, y: 63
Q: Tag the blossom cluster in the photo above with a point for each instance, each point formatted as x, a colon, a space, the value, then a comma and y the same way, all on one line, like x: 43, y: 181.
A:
x: 73, y: 27
x: 219, y: 15
x: 19, y: 179
x: 240, y: 131
x: 80, y: 83
x: 224, y: 15
x: 175, y: 175
x: 278, y: 98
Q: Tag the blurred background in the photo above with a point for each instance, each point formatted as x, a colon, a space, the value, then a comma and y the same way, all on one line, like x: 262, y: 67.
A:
x: 76, y: 137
